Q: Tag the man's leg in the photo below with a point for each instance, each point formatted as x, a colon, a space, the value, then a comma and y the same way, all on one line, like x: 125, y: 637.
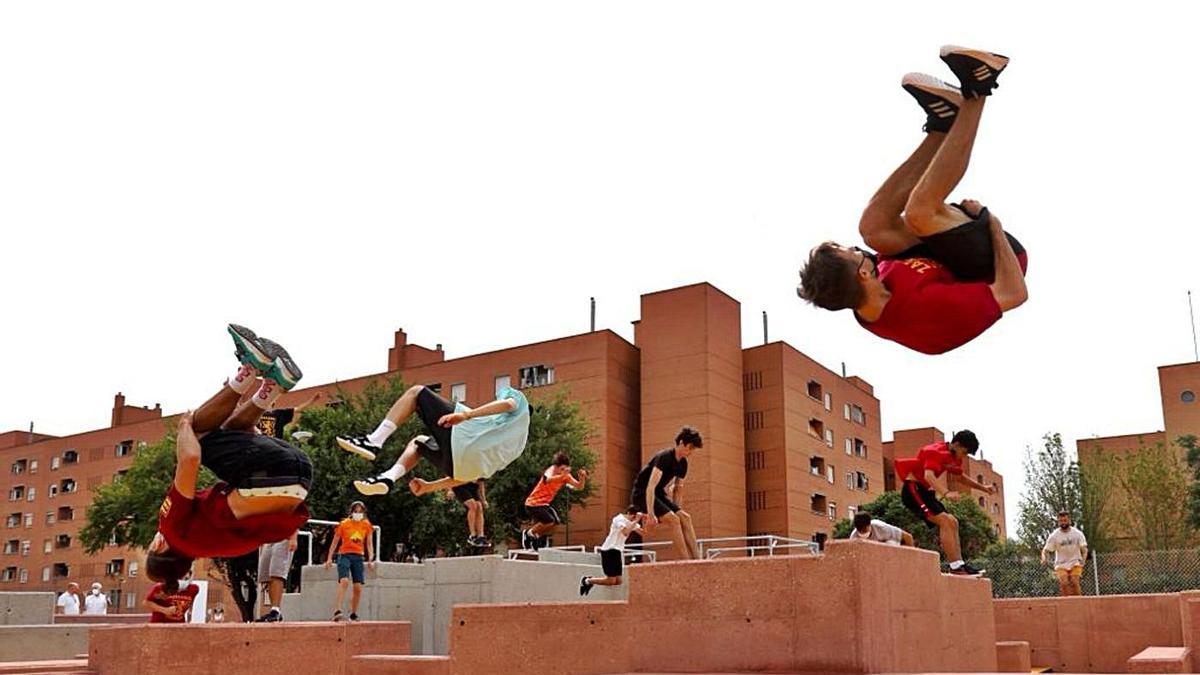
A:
x: 369, y: 445
x: 1076, y: 577
x: 355, y: 595
x: 604, y: 581
x: 382, y: 484
x: 881, y: 226
x: 341, y: 594
x: 675, y: 527
x: 948, y: 534
x: 926, y: 212
x: 246, y: 415
x: 212, y: 413
x: 689, y: 534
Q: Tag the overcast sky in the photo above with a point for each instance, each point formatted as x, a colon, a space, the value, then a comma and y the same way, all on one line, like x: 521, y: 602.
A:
x: 329, y: 172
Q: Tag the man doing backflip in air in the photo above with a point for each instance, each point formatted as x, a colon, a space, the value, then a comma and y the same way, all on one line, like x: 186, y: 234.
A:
x: 942, y: 273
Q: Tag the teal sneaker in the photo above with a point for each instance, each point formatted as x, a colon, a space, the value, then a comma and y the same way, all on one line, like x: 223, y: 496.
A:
x: 283, y: 370
x: 249, y: 348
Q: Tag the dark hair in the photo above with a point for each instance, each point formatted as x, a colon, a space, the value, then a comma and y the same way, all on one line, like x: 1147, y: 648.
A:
x: 631, y: 509
x: 829, y: 280
x: 561, y: 459
x: 167, y: 568
x: 861, y: 520
x: 966, y: 439
x: 689, y: 436
x: 1064, y: 513
x: 357, y: 502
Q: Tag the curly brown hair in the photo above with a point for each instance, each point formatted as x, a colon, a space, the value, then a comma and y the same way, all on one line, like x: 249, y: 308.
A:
x: 830, y: 281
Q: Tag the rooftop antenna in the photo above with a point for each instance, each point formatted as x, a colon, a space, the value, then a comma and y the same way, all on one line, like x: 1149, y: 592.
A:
x: 765, y: 339
x: 593, y: 314
x: 843, y: 369
x: 1195, y: 352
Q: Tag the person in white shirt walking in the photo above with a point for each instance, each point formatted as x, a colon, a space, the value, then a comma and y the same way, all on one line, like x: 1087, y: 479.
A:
x: 612, y: 551
x: 68, y: 602
x: 96, y: 602
x: 867, y: 528
x: 1069, y: 547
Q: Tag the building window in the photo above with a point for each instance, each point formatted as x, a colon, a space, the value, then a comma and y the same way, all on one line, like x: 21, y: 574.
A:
x: 833, y: 510
x: 816, y: 466
x: 857, y: 414
x: 10, y: 546
x: 32, y: 494
x: 828, y: 401
x: 849, y: 480
x: 16, y: 493
x: 63, y: 541
x: 47, y: 546
x: 33, y: 466
x: 28, y: 520
x: 49, y: 517
x: 19, y: 467
x: 818, y: 504
x: 815, y: 391
x: 846, y: 410
x: 851, y: 512
x: 1188, y: 396
x: 503, y: 382
x: 45, y: 574
x: 133, y: 569
x: 114, y: 567
x: 10, y: 573
x: 125, y: 448
x: 996, y: 508
x: 752, y: 381
x: 55, y: 462
x: 52, y: 491
x: 756, y: 459
x: 754, y: 420
x: 816, y: 428
x: 982, y: 504
x: 996, y: 530
x: 830, y: 474
x: 130, y: 600
x: 14, y: 520
x: 849, y: 446
x: 829, y: 437
x: 756, y: 501
x: 67, y: 485
x: 458, y: 392
x: 861, y: 481
x: 70, y: 456
x: 25, y: 547
x: 860, y: 447
x: 65, y: 514
x: 536, y: 376
x: 24, y: 578
x: 61, y: 570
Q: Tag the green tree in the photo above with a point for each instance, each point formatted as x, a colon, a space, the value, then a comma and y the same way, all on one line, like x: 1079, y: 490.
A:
x: 1051, y: 485
x: 1156, y: 496
x: 974, y: 526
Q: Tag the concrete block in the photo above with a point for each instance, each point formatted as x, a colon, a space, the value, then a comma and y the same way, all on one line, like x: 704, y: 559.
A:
x: 1161, y: 660
x: 1013, y: 657
x: 20, y: 608
x: 389, y: 665
x: 42, y: 642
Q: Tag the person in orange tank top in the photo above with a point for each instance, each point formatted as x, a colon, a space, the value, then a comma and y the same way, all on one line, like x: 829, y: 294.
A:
x: 537, y: 505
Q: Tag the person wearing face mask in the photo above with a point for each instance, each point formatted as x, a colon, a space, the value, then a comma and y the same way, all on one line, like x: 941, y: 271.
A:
x: 943, y: 273
x: 351, y: 539
x: 1069, y: 547
x: 96, y: 602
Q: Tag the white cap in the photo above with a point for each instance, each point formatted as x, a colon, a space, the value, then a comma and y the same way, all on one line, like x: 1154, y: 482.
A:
x: 96, y: 586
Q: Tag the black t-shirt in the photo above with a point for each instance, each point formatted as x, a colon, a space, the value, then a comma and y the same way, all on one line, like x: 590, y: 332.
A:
x: 666, y: 462
x: 273, y: 421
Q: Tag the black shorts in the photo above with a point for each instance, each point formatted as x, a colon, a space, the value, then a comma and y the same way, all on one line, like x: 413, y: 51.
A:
x: 245, y: 459
x: 543, y: 514
x: 662, y: 504
x: 966, y: 250
x: 611, y: 561
x: 921, y: 500
x: 430, y: 409
x: 466, y: 492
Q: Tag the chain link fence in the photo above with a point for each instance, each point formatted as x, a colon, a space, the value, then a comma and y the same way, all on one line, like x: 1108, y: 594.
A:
x: 1104, y: 574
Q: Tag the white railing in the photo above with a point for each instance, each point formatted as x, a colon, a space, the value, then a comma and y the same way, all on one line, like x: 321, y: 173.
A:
x: 772, y: 543
x: 376, y: 535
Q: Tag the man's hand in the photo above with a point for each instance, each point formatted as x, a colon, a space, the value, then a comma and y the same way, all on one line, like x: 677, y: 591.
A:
x: 172, y: 611
x: 292, y: 543
x: 419, y: 487
x: 583, y: 474
x: 184, y: 432
x: 651, y: 521
x: 328, y: 563
x: 972, y: 207
x: 158, y: 544
x: 452, y: 419
x: 371, y: 564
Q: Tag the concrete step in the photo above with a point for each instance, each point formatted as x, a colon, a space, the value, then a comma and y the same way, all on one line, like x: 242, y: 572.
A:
x: 385, y: 664
x: 38, y: 667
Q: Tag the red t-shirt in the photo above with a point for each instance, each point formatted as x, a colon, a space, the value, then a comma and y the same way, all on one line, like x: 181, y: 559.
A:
x: 935, y: 457
x: 204, y: 527
x: 182, y: 600
x: 930, y: 311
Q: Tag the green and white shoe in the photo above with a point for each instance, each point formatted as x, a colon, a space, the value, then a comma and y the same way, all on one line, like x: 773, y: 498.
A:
x: 283, y: 370
x: 249, y: 348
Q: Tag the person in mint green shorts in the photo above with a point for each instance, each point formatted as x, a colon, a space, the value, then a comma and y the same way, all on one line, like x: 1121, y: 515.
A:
x: 465, y: 444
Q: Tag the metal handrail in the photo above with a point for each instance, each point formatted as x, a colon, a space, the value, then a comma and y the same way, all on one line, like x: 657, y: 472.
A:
x: 711, y: 553
x: 773, y: 541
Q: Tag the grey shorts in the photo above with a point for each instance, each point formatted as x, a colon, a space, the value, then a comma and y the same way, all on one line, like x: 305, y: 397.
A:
x: 274, y: 561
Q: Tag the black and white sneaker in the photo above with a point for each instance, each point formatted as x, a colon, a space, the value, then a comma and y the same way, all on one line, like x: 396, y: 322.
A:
x: 939, y: 100
x: 283, y: 369
x: 584, y: 586
x: 526, y: 538
x: 249, y: 349
x: 358, y: 445
x: 478, y: 541
x: 374, y: 486
x: 270, y: 617
x: 353, y: 617
x: 966, y: 570
x: 977, y: 70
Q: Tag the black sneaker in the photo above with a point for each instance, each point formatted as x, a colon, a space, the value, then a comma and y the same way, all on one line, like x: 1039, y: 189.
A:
x: 270, y: 617
x: 358, y: 445
x: 249, y: 349
x: 283, y: 369
x: 374, y: 486
x: 976, y: 70
x: 584, y: 586
x: 353, y: 616
x: 966, y: 570
x: 526, y: 540
x: 478, y: 541
x: 939, y: 100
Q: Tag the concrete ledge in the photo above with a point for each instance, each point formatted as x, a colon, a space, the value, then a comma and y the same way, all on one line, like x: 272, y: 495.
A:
x: 44, y: 667
x: 92, y: 619
x: 1161, y: 660
x: 1013, y: 657
x: 42, y: 642
x: 26, y: 608
x: 409, y: 665
x: 220, y: 649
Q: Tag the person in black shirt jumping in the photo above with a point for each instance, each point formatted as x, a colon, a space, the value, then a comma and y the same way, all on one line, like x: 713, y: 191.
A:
x: 658, y: 489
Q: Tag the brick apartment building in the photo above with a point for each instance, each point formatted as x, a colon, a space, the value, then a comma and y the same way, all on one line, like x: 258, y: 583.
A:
x: 906, y: 443
x: 790, y: 446
x: 1178, y: 385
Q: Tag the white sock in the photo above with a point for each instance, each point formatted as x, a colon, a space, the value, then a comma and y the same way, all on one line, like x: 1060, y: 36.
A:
x: 378, y: 437
x: 956, y: 564
x: 267, y: 394
x: 243, y: 380
x: 274, y: 608
x: 395, y: 472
